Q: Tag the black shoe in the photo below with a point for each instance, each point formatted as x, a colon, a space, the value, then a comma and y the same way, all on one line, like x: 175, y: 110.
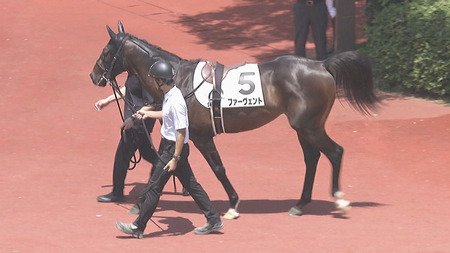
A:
x: 130, y: 228
x: 110, y: 198
x: 208, y: 228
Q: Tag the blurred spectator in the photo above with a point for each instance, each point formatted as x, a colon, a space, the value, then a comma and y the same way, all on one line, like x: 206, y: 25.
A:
x: 311, y: 13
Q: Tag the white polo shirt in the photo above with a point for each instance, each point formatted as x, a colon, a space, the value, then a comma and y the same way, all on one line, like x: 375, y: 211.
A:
x: 174, y: 115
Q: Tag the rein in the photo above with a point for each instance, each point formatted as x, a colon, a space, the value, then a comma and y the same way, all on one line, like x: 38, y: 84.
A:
x: 190, y: 94
x: 116, y: 90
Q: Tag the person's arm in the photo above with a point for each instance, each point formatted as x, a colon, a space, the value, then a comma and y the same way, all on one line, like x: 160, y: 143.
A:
x: 147, y: 112
x: 104, y: 102
x: 172, y: 164
x: 144, y: 113
x: 148, y: 108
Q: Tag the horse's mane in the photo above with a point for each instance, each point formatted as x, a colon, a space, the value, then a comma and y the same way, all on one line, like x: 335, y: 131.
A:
x: 144, y: 44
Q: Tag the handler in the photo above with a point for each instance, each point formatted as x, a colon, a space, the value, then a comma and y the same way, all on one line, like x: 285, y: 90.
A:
x: 131, y: 140
x: 174, y: 150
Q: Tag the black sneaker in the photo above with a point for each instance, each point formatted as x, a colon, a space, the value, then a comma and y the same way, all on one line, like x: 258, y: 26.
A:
x: 208, y: 228
x: 130, y: 228
x: 110, y: 198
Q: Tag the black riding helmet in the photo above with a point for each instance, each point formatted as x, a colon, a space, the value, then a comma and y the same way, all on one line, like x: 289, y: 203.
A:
x: 162, y: 70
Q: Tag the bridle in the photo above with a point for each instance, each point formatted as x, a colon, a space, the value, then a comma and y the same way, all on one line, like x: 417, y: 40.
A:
x: 106, y: 75
x: 116, y: 90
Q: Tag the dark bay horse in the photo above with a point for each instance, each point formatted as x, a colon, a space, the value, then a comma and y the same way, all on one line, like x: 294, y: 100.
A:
x: 304, y: 90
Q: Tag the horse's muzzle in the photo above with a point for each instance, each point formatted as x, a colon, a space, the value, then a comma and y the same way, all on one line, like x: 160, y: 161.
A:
x: 98, y: 80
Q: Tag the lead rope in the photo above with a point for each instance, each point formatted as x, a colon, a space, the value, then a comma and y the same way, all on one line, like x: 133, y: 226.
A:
x: 123, y: 135
x: 116, y: 91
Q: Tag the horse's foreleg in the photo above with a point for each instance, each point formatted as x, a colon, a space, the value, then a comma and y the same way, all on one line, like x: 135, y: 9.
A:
x: 311, y: 157
x: 209, y: 151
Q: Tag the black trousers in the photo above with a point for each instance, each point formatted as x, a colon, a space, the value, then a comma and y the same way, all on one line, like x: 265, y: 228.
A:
x: 130, y: 141
x: 315, y: 16
x: 159, y: 179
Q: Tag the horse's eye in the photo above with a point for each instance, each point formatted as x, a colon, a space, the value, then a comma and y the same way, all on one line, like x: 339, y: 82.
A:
x: 105, y: 55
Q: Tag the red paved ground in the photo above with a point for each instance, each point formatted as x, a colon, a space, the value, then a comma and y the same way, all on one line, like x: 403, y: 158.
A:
x: 57, y: 150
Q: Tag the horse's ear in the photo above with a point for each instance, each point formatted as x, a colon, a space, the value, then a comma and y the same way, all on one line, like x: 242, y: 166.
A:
x: 111, y: 33
x: 121, y: 30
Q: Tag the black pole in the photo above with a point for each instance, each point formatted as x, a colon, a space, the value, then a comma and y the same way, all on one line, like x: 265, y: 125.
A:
x: 345, y: 26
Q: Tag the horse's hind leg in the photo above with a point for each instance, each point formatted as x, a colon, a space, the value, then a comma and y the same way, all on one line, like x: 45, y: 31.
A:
x: 311, y: 143
x: 334, y: 153
x: 209, y: 151
x: 311, y: 157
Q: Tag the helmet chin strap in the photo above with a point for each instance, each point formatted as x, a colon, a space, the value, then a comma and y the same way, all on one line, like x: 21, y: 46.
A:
x: 165, y: 82
x: 161, y: 85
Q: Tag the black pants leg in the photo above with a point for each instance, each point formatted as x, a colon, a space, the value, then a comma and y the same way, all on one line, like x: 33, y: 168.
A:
x: 135, y: 139
x: 315, y: 16
x: 319, y: 23
x: 301, y: 24
x: 159, y: 179
x: 186, y: 176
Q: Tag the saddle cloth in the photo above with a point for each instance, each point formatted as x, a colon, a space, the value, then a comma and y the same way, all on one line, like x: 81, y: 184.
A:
x: 241, y: 86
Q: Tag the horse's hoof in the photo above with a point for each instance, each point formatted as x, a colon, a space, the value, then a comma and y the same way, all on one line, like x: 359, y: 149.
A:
x: 232, y: 214
x: 295, y: 211
x: 343, y: 205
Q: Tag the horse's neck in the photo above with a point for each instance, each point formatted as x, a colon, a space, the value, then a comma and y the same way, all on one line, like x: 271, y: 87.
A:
x: 142, y: 59
x: 184, y: 74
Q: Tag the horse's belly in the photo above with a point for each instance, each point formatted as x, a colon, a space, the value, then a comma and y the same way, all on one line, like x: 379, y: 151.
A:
x: 237, y: 120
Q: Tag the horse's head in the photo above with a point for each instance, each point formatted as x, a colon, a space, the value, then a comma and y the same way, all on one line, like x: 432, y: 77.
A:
x: 110, y: 62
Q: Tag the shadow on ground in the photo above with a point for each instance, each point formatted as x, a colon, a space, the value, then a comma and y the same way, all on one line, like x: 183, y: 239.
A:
x: 248, y: 206
x: 249, y: 24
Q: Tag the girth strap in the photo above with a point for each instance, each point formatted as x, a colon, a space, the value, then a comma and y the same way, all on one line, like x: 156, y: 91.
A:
x: 216, y: 98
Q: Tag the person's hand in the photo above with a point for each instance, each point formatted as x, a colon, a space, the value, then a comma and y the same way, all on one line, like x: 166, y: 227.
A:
x: 140, y: 115
x: 127, y: 124
x: 101, y: 103
x: 171, y: 165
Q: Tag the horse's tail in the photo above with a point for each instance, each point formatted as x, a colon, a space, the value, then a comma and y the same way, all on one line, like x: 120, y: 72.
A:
x: 352, y: 72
